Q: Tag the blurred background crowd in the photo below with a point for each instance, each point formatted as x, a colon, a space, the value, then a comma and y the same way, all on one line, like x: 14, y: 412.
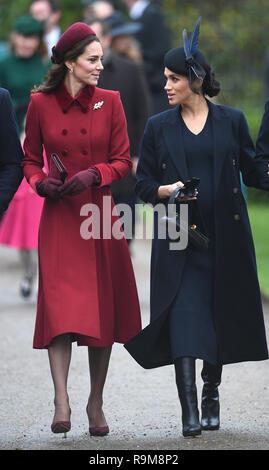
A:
x: 135, y: 34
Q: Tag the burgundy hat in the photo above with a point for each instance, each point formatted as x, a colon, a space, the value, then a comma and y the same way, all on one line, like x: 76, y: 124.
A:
x: 74, y: 34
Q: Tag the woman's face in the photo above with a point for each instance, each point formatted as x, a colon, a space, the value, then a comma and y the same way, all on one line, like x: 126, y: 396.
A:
x: 122, y: 44
x: 25, y: 46
x: 177, y: 88
x: 88, y: 66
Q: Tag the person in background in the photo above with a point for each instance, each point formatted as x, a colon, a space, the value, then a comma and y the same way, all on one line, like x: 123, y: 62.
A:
x: 127, y: 77
x: 24, y: 67
x: 26, y: 64
x: 262, y: 143
x: 154, y: 38
x: 10, y: 152
x: 48, y: 12
x: 123, y: 40
x: 100, y: 9
x: 3, y: 49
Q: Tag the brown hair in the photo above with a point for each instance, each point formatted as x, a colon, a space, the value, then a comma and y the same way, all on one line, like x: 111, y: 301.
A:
x: 41, y: 50
x: 57, y: 72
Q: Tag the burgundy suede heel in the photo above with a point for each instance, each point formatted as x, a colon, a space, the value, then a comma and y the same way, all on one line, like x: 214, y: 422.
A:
x: 97, y: 430
x: 61, y: 427
x: 58, y: 427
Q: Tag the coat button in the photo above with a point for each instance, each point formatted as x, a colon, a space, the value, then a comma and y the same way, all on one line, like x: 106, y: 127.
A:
x: 164, y: 166
x: 84, y: 152
x: 236, y: 217
x: 235, y: 190
x: 64, y: 153
x: 234, y: 162
x: 83, y: 131
x: 64, y: 132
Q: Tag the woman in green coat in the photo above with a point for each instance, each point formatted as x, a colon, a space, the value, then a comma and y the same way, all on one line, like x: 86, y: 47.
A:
x: 25, y: 65
x: 22, y: 69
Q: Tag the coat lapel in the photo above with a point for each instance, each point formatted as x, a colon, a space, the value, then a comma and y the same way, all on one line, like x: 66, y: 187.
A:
x: 172, y: 130
x: 221, y: 128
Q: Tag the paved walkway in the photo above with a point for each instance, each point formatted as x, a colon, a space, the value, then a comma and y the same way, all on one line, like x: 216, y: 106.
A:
x: 141, y: 406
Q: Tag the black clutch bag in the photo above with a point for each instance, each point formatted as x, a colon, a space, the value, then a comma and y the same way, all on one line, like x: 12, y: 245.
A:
x: 196, y: 238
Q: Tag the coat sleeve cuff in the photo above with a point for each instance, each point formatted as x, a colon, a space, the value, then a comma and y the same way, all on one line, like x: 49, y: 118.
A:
x: 33, y: 180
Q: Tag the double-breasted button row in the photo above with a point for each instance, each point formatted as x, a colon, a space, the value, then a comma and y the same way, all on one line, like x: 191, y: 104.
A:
x: 83, y: 151
x: 65, y: 131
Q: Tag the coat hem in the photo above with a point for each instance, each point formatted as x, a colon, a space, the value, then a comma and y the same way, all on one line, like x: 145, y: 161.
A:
x: 81, y: 340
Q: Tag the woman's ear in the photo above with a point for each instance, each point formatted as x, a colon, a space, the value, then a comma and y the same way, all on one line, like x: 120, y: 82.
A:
x: 69, y: 65
x: 196, y: 86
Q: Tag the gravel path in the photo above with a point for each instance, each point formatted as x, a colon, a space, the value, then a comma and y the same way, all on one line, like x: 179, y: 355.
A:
x: 141, y: 406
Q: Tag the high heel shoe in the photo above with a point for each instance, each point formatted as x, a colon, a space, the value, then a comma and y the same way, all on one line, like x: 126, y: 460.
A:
x: 58, y: 427
x: 97, y: 430
x: 61, y: 427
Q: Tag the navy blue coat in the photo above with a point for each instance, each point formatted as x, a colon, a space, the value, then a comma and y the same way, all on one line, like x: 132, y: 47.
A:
x: 10, y: 152
x: 262, y: 143
x: 237, y: 302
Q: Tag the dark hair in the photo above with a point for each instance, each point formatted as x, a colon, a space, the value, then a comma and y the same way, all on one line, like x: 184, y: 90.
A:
x: 57, y: 72
x: 211, y: 87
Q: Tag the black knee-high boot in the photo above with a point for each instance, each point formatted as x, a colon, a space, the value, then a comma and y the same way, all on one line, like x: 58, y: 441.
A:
x: 211, y: 376
x: 187, y: 392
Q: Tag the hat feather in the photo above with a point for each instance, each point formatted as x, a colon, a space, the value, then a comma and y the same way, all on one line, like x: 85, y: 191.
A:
x: 186, y: 44
x: 194, y: 39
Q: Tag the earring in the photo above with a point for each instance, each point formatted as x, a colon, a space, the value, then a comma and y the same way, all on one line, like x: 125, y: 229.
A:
x: 71, y: 70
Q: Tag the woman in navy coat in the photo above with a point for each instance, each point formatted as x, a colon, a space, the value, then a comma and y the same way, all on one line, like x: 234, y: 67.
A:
x: 204, y: 304
x: 10, y: 152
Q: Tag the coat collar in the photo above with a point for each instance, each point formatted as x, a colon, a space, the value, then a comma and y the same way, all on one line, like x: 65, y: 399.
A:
x: 221, y: 128
x: 66, y: 100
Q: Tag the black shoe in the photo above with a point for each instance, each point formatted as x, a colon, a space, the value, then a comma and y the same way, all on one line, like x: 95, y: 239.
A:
x: 26, y: 286
x: 187, y: 392
x: 211, y: 376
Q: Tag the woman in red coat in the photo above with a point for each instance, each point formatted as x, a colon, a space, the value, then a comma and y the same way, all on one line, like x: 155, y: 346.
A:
x: 87, y: 290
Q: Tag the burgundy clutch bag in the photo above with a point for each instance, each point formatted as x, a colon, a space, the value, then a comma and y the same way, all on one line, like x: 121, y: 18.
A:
x: 57, y: 168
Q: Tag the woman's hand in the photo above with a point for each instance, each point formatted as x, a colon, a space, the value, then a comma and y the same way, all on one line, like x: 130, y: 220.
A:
x: 79, y: 182
x: 165, y: 191
x: 49, y: 187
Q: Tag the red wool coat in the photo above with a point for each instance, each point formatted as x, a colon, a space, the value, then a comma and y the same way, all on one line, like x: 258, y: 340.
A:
x: 86, y: 286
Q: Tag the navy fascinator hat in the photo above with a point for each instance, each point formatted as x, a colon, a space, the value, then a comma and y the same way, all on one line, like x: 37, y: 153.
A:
x: 187, y: 60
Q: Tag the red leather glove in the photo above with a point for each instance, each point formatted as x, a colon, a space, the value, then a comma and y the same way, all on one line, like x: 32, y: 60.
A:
x: 81, y: 181
x: 49, y: 187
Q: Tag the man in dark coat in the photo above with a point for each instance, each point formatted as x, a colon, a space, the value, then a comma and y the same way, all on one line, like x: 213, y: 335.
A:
x: 237, y: 302
x: 127, y: 77
x: 262, y: 143
x: 10, y: 152
x: 154, y: 38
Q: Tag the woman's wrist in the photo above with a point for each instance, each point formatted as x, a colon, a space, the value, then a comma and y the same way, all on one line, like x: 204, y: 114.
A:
x: 165, y: 191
